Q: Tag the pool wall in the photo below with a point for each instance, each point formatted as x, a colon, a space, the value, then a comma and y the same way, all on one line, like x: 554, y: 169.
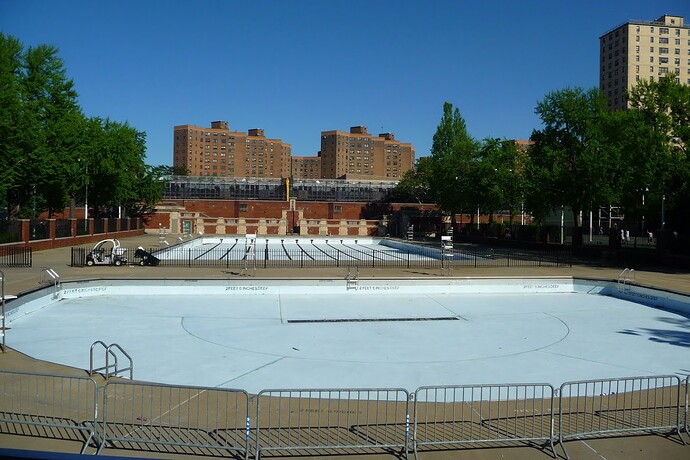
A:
x: 29, y: 302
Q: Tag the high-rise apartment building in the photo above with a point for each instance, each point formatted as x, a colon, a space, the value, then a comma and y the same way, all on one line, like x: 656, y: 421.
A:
x: 305, y: 167
x: 217, y: 151
x: 642, y: 50
x: 360, y: 155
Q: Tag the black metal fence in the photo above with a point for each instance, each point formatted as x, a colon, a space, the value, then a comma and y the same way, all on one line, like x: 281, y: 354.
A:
x: 63, y: 228
x: 12, y: 256
x: 10, y: 231
x: 98, y: 226
x: 39, y: 230
x: 78, y: 257
x: 82, y: 227
x: 309, y: 256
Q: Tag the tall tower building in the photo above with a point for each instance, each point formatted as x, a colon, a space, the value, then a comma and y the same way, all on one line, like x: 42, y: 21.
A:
x: 642, y: 50
x: 360, y: 155
x: 217, y: 151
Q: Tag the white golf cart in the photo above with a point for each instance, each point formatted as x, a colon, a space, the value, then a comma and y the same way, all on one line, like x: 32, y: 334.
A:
x: 107, y: 252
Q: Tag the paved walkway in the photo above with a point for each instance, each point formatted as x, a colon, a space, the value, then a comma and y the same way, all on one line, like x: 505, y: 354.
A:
x: 19, y: 280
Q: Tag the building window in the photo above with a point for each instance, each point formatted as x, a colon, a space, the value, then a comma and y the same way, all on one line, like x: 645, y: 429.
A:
x: 663, y: 50
x: 243, y: 207
x: 337, y: 208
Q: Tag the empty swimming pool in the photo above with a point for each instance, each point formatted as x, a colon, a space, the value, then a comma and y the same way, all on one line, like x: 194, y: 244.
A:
x: 255, y: 334
x: 310, y: 249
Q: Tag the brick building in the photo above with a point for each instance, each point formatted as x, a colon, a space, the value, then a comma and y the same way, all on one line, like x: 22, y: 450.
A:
x: 217, y: 151
x: 305, y: 167
x: 360, y: 155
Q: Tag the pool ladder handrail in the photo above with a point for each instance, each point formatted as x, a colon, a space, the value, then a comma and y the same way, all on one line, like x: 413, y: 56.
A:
x: 50, y: 276
x: 625, y: 277
x: 108, y: 353
x: 352, y: 281
x: 447, y: 255
x: 249, y: 250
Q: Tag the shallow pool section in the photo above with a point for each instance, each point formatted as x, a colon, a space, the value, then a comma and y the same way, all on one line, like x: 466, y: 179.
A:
x: 256, y: 334
x: 306, y: 249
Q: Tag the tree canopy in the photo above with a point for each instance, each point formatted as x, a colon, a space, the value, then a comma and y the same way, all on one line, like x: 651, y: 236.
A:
x: 50, y: 153
x: 583, y: 158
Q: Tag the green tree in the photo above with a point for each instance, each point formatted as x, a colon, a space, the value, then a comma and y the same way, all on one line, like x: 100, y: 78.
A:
x: 11, y: 119
x: 115, y: 161
x: 500, y: 178
x: 452, y: 164
x: 661, y: 111
x: 414, y: 185
x: 38, y: 105
x: 571, y: 162
x: 50, y: 104
x: 50, y: 154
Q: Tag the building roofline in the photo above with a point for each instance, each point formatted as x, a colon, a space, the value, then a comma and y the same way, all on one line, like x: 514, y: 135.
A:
x: 646, y: 22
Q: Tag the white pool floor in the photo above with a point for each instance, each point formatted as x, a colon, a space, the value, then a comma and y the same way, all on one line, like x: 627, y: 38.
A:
x: 303, y: 248
x: 389, y: 340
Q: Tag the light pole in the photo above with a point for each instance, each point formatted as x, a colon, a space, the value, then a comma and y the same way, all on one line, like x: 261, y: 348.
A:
x: 663, y: 212
x: 644, y: 190
x: 86, y: 201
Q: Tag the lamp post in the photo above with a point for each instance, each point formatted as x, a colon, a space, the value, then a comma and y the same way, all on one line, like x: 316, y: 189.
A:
x: 644, y: 190
x: 86, y: 201
x: 663, y: 212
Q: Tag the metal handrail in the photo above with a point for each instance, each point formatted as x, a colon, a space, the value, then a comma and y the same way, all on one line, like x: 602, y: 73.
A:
x: 108, y: 353
x: 50, y: 276
x: 352, y: 282
x: 625, y: 277
x: 129, y: 358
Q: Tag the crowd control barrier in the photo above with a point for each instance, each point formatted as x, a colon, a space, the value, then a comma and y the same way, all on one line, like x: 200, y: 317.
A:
x: 615, y: 407
x: 175, y: 419
x: 298, y: 421
x: 202, y: 421
x: 48, y: 406
x: 447, y: 416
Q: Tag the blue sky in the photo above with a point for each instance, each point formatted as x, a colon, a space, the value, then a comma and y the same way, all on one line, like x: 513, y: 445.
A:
x: 296, y: 68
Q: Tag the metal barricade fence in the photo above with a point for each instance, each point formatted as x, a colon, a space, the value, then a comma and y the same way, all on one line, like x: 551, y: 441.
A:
x: 361, y: 419
x: 175, y: 419
x: 48, y: 406
x: 687, y: 405
x: 507, y: 413
x: 614, y: 407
